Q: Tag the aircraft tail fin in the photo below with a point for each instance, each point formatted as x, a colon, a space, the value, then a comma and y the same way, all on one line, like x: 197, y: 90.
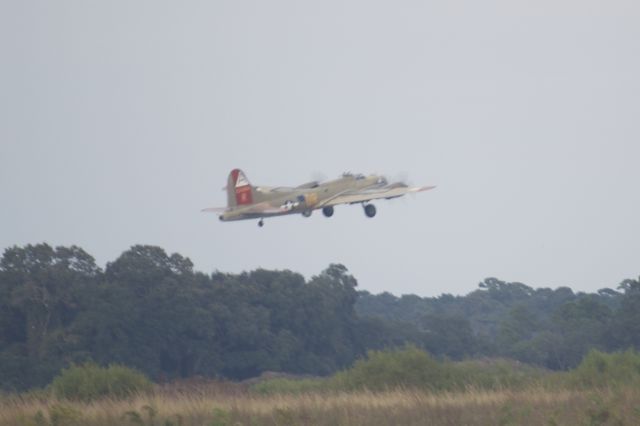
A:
x: 239, y: 190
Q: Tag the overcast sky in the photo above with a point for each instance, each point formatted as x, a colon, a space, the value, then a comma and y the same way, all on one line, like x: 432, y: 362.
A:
x: 120, y: 120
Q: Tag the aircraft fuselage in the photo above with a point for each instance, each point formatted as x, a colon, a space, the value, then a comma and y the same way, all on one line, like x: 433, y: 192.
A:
x: 300, y: 200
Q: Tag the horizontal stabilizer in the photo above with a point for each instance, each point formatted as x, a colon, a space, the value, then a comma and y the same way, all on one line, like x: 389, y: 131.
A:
x: 214, y: 209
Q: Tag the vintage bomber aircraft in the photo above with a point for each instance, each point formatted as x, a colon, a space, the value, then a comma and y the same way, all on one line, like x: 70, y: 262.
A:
x: 245, y: 201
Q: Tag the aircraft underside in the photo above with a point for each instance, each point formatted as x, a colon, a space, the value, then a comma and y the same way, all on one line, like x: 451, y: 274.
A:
x: 369, y: 211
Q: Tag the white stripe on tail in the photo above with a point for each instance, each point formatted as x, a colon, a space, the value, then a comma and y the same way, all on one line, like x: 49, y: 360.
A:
x: 239, y: 190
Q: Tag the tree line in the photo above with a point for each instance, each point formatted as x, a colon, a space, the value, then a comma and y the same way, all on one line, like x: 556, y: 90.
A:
x: 151, y: 311
x: 552, y: 328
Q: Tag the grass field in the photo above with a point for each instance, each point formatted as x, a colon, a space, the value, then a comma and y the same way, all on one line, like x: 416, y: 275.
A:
x: 398, y: 387
x: 220, y: 405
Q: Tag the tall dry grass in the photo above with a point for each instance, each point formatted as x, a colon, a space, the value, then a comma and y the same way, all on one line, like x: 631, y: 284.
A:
x: 217, y: 407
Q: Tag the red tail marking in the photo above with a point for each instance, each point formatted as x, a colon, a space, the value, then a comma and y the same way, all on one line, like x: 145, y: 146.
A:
x: 242, y: 187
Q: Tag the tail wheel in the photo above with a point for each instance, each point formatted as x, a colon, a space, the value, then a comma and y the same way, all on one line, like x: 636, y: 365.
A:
x: 370, y: 210
x: 306, y: 213
x: 261, y: 223
x: 327, y: 211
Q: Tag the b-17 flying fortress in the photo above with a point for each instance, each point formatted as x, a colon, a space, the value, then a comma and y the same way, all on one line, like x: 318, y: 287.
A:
x: 245, y: 201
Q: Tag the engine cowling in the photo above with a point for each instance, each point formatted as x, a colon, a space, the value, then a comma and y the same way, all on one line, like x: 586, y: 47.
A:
x: 309, y: 185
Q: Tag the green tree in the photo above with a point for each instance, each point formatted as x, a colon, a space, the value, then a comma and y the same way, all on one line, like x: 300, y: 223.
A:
x: 449, y: 335
x: 625, y: 328
x: 41, y: 286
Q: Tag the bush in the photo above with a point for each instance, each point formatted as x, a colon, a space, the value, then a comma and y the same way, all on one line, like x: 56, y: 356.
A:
x: 380, y: 370
x: 599, y: 369
x: 90, y: 381
x: 414, y: 368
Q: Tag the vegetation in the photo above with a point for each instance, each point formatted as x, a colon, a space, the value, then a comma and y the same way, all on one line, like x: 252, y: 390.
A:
x: 413, y: 368
x: 89, y: 381
x: 546, y: 327
x: 530, y: 406
x: 604, y: 370
x: 349, y: 397
x: 150, y: 311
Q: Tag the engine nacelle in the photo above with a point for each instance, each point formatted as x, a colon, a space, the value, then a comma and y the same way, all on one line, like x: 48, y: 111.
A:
x: 309, y: 185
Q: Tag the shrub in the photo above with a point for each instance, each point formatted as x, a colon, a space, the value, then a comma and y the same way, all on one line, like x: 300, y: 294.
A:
x: 90, y: 381
x: 380, y: 370
x: 599, y: 369
x: 411, y: 367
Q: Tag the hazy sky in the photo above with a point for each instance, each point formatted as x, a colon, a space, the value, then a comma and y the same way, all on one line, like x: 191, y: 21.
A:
x: 120, y: 120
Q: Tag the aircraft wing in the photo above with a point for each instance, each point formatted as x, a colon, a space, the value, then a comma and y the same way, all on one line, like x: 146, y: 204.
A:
x: 387, y: 192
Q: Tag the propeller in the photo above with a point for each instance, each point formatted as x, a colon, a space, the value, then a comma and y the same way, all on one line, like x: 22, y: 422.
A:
x: 402, y: 177
x: 318, y: 176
